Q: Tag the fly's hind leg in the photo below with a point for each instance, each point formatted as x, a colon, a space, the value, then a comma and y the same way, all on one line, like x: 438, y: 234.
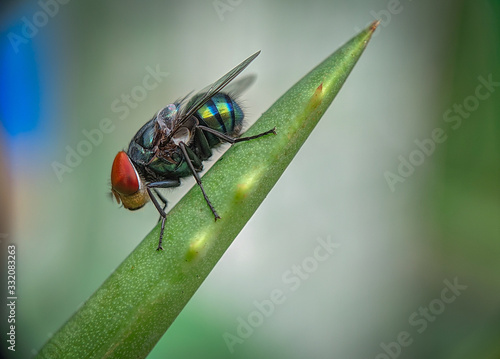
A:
x: 232, y: 140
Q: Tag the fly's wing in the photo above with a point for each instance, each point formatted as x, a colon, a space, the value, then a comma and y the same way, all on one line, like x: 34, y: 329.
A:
x: 234, y: 89
x: 201, y: 98
x: 239, y: 86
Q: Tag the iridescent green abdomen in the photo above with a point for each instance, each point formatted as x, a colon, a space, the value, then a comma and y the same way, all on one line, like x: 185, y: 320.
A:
x: 223, y: 114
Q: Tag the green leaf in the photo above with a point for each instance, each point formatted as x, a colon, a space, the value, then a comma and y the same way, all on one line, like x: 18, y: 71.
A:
x: 134, y: 307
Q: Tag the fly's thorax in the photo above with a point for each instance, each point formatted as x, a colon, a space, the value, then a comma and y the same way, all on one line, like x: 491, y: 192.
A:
x: 152, y: 158
x: 155, y: 130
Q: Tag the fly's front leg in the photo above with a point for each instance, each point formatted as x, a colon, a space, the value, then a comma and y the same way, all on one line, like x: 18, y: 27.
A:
x: 161, y: 210
x: 163, y: 199
x: 232, y: 140
x: 163, y: 217
x: 197, y: 178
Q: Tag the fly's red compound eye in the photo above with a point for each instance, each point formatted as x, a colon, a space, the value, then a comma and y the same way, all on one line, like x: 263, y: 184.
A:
x: 124, y: 177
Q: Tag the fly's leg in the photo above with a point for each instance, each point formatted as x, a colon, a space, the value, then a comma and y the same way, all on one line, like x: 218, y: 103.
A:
x: 197, y: 178
x: 163, y: 217
x: 201, y: 143
x: 161, y: 210
x: 232, y: 140
x: 163, y: 199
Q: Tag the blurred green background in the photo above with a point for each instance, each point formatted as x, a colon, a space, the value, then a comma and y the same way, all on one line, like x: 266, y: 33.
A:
x: 404, y: 236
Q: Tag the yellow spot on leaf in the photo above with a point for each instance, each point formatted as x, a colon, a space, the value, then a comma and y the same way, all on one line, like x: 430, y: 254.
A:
x: 197, y: 248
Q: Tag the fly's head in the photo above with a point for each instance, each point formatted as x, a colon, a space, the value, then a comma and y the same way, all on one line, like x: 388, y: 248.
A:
x: 127, y: 185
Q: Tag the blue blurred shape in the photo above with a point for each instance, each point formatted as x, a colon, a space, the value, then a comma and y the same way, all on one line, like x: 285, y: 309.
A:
x: 19, y: 84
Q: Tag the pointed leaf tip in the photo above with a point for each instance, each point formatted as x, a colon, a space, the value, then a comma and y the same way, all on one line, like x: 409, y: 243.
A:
x: 374, y: 25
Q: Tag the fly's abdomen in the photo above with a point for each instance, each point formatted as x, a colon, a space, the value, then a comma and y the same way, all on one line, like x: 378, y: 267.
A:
x: 220, y: 113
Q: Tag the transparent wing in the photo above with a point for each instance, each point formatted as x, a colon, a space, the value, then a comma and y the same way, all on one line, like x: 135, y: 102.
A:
x: 203, y: 96
x: 236, y: 87
x: 239, y: 86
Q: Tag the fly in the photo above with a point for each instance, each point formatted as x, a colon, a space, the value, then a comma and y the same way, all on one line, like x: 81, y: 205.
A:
x: 174, y: 144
